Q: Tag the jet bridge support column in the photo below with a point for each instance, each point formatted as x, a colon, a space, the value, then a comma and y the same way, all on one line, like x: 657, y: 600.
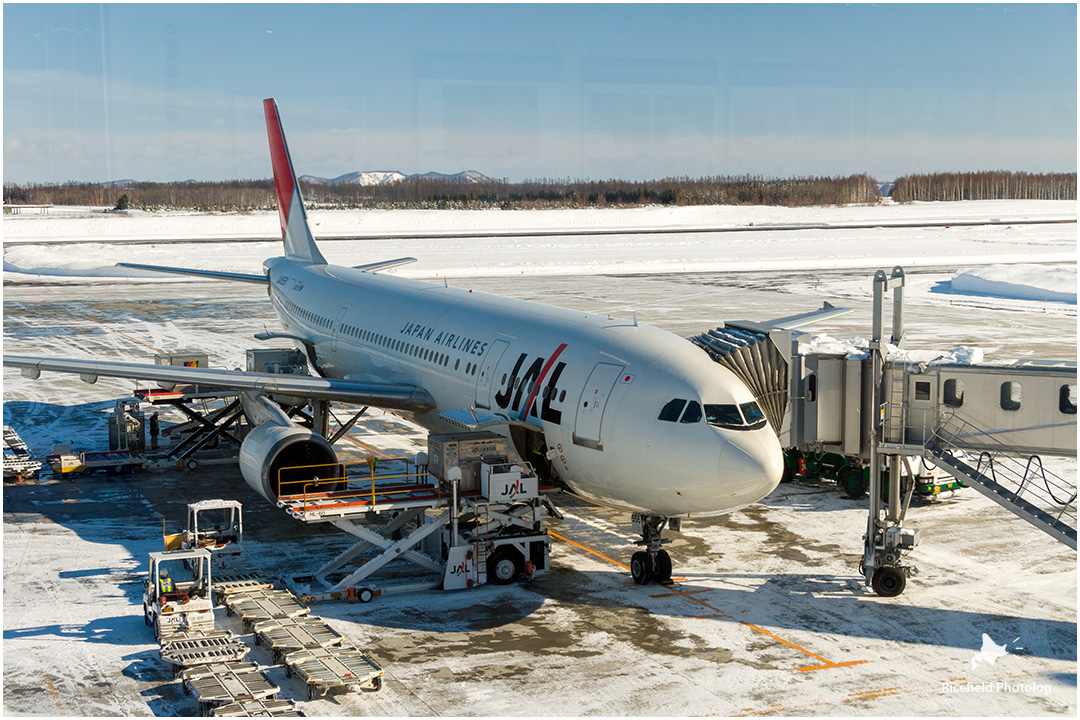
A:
x: 885, y: 538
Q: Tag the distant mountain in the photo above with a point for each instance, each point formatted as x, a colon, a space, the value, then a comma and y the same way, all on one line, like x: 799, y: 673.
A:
x: 383, y: 177
x: 117, y: 183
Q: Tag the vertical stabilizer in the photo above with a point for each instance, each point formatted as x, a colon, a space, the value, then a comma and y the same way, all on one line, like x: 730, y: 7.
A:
x: 299, y: 243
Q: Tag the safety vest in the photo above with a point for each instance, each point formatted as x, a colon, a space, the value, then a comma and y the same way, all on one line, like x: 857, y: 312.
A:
x: 166, y: 585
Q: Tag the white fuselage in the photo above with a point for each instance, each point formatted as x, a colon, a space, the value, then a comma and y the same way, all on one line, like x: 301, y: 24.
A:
x: 593, y: 386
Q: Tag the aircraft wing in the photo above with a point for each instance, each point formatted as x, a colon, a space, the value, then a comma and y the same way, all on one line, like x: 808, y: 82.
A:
x: 383, y: 395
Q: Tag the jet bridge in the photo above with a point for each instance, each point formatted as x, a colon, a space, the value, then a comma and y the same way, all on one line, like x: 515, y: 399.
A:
x: 988, y: 425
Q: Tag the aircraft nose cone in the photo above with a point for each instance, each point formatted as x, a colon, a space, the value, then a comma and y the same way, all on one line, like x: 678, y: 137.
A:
x: 751, y: 465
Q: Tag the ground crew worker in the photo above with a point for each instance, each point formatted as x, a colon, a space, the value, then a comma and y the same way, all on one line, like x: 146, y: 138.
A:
x: 166, y: 582
x: 155, y: 428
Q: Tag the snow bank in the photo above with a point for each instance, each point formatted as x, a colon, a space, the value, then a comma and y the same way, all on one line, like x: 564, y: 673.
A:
x: 1021, y: 282
x: 859, y: 349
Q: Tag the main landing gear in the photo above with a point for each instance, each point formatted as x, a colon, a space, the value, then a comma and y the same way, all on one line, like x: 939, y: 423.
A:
x: 653, y: 563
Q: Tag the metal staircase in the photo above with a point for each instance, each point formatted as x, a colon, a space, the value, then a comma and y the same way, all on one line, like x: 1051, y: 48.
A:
x: 1019, y: 484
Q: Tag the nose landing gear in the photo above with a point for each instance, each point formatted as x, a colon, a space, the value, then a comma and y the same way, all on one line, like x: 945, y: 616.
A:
x: 652, y: 563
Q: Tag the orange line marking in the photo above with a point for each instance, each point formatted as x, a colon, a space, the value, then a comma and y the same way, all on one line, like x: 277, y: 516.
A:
x: 588, y: 550
x: 366, y: 447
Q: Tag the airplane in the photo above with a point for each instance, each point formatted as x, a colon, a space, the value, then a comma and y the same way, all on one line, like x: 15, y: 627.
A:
x: 625, y: 415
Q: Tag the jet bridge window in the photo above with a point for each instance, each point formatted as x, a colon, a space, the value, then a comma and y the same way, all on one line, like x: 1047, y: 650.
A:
x: 954, y: 392
x: 1010, y: 395
x: 1067, y: 399
x: 671, y: 411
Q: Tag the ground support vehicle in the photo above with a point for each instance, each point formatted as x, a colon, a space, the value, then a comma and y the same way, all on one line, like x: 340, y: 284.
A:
x: 111, y: 461
x: 187, y: 604
x: 216, y: 525
x: 258, y: 708
x: 189, y: 649
x: 221, y: 683
x: 335, y: 668
x: 852, y: 475
x: 255, y: 607
x: 286, y: 635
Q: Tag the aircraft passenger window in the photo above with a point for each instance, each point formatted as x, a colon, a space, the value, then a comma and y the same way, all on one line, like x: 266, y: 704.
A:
x: 954, y: 392
x: 671, y: 411
x: 724, y: 415
x: 562, y: 396
x: 1010, y: 395
x: 692, y: 414
x: 752, y: 413
x: 457, y: 363
x: 1067, y: 399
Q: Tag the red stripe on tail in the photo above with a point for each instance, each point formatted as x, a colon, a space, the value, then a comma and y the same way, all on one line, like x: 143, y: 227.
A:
x: 279, y: 156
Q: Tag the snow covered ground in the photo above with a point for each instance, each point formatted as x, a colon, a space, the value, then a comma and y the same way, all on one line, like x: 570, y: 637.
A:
x: 765, y: 588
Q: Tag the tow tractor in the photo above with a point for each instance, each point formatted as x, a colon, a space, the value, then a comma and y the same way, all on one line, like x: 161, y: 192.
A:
x: 187, y: 604
x: 217, y: 526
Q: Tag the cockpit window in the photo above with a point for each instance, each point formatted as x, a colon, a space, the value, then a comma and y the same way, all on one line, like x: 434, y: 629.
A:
x: 671, y: 411
x: 692, y: 414
x: 723, y: 415
x: 752, y: 413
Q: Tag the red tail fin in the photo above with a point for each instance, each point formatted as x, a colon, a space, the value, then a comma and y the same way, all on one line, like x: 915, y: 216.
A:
x: 299, y: 243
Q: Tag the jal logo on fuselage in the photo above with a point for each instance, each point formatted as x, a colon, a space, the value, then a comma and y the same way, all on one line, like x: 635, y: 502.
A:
x: 510, y: 396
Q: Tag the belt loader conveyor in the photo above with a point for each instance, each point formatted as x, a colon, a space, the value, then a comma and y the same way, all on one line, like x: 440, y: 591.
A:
x: 260, y: 605
x: 221, y: 683
x: 286, y: 635
x: 186, y: 650
x: 258, y: 708
x: 326, y: 669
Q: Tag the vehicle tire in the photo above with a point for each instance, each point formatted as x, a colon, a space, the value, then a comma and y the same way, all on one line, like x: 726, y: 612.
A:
x: 641, y: 568
x: 376, y: 683
x: 888, y: 581
x: 312, y: 691
x: 663, y: 567
x: 851, y: 481
x: 288, y: 670
x: 504, y: 567
x: 146, y: 616
x: 365, y: 595
x: 192, y: 464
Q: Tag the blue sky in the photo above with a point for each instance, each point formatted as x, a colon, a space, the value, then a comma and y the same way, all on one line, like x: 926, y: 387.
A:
x: 172, y: 92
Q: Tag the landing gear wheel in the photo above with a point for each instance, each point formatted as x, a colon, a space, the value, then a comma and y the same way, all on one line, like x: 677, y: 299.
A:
x: 641, y: 568
x: 663, y: 567
x: 504, y: 567
x: 889, y: 581
x: 851, y: 481
x: 789, y: 473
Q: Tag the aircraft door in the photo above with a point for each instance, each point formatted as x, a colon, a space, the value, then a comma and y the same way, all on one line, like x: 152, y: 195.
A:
x: 921, y: 408
x: 486, y: 374
x: 335, y: 331
x: 590, y: 410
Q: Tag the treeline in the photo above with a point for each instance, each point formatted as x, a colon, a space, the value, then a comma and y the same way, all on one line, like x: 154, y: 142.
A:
x: 204, y: 196
x: 997, y: 185
x: 439, y: 193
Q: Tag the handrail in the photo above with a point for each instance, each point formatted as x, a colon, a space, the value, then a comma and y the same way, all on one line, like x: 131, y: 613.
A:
x: 309, y: 487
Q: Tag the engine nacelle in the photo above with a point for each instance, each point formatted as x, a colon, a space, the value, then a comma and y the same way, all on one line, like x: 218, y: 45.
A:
x: 277, y: 457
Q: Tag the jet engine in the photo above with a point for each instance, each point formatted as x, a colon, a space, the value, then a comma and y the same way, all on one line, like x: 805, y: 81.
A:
x: 287, y: 458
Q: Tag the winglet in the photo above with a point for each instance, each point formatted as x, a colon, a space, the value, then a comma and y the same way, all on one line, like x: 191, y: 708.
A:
x: 299, y: 243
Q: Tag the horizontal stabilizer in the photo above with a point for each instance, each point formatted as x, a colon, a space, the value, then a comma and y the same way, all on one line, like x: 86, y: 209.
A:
x: 827, y: 311
x: 384, y: 265
x: 473, y: 419
x: 216, y: 275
